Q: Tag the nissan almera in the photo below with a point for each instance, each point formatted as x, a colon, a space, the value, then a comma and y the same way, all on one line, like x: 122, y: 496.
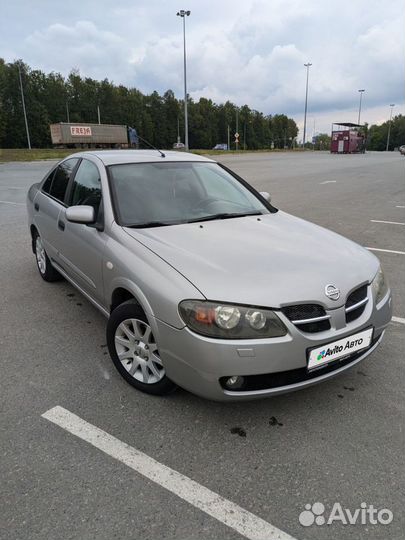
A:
x: 206, y: 285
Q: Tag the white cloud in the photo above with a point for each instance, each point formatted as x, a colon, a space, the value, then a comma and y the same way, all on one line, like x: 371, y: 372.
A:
x: 82, y: 45
x: 249, y: 52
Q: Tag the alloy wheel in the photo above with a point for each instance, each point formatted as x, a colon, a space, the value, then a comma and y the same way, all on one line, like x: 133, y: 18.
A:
x: 40, y: 255
x: 137, y: 351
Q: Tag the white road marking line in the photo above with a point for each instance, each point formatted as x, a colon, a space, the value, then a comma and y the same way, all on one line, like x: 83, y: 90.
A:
x: 400, y: 206
x: 13, y: 203
x: 223, y: 510
x: 386, y: 250
x: 10, y: 187
x: 389, y: 222
x: 398, y: 320
x: 328, y: 182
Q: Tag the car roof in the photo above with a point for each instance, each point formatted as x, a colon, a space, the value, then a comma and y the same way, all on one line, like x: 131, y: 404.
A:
x: 116, y: 157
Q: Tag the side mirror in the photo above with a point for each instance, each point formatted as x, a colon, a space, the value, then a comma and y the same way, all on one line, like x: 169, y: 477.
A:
x: 266, y: 196
x: 81, y: 214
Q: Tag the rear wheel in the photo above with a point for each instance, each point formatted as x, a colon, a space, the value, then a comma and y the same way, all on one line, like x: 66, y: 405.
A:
x: 46, y: 270
x: 134, y: 350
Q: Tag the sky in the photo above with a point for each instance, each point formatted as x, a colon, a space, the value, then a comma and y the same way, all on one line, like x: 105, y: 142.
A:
x: 251, y: 52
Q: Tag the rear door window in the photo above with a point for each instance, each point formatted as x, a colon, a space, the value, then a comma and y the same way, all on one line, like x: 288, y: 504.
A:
x: 46, y: 186
x: 60, y: 179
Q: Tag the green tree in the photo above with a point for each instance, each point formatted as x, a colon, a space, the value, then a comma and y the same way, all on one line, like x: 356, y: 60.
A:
x: 51, y: 98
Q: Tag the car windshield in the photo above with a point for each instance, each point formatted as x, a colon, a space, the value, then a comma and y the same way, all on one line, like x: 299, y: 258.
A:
x: 157, y: 194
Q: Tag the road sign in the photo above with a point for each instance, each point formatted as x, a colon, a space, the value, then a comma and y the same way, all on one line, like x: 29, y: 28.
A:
x: 236, y: 136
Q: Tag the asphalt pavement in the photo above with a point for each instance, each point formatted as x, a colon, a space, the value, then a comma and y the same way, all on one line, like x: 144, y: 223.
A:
x: 339, y: 442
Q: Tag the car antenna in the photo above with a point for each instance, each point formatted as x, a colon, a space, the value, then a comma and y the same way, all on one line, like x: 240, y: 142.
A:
x: 151, y: 145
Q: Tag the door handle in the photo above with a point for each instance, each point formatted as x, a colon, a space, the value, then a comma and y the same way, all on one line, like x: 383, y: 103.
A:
x: 36, y: 206
x: 61, y: 225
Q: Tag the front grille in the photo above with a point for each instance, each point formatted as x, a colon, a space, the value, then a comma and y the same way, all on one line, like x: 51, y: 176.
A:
x: 299, y: 313
x: 356, y: 296
x: 267, y: 381
x: 314, y: 327
x: 356, y: 303
x: 312, y: 318
x: 303, y: 311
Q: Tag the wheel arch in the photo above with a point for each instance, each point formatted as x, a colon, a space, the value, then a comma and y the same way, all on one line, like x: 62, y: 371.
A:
x: 121, y: 295
x: 123, y: 290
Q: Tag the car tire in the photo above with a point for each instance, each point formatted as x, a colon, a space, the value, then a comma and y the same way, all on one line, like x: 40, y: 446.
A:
x: 134, y: 351
x: 45, y: 268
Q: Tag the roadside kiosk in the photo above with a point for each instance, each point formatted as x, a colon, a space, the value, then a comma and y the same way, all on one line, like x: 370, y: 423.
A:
x: 347, y: 139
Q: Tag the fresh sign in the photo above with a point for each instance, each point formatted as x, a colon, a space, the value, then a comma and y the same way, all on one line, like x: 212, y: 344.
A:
x: 80, y: 131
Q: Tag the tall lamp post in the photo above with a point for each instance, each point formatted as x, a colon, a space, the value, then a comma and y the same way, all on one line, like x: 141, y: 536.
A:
x: 361, y: 96
x: 308, y: 65
x: 392, y: 105
x: 183, y: 14
x: 23, y: 105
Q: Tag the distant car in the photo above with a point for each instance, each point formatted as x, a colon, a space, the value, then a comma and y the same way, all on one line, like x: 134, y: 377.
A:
x: 402, y: 149
x: 179, y: 146
x: 221, y: 146
x: 206, y: 284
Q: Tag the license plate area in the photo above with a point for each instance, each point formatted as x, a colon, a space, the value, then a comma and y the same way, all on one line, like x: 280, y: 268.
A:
x: 338, y: 350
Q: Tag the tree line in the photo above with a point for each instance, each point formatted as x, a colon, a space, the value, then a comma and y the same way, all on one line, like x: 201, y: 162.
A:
x: 51, y: 98
x: 377, y: 135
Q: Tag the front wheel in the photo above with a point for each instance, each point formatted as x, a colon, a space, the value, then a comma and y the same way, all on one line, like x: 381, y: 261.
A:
x: 134, y: 350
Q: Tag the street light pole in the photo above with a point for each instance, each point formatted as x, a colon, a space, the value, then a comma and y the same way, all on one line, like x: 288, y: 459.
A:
x: 308, y: 65
x: 392, y: 105
x: 236, y: 131
x: 23, y: 104
x: 361, y: 96
x: 183, y: 14
x: 67, y: 112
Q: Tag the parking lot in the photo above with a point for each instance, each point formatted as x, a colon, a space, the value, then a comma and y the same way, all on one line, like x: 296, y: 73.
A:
x: 237, y: 469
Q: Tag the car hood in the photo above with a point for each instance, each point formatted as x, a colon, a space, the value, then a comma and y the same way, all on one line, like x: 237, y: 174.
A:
x: 276, y: 260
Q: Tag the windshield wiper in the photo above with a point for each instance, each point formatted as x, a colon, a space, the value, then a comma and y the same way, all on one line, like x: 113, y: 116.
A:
x: 224, y: 215
x: 148, y: 224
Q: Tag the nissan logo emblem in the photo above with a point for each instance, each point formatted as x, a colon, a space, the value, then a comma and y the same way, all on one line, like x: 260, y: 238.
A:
x: 332, y: 292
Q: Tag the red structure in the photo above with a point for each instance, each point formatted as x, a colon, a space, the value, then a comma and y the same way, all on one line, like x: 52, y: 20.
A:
x: 347, y: 139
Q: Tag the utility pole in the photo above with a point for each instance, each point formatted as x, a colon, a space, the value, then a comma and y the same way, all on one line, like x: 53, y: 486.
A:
x: 183, y: 14
x: 392, y: 105
x: 361, y: 96
x: 67, y: 112
x: 229, y: 137
x: 307, y: 65
x: 237, y: 132
x: 23, y: 104
x: 98, y: 114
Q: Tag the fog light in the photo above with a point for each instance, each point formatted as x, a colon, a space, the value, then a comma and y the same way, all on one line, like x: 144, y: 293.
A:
x: 235, y: 382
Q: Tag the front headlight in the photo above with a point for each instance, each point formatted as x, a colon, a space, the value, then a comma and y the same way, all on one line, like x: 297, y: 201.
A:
x: 226, y: 321
x: 379, y: 286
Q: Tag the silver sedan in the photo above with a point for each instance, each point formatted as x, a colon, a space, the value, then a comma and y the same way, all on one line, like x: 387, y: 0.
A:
x: 206, y: 285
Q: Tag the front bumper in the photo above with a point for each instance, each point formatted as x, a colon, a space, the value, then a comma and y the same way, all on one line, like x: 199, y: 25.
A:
x: 197, y: 363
